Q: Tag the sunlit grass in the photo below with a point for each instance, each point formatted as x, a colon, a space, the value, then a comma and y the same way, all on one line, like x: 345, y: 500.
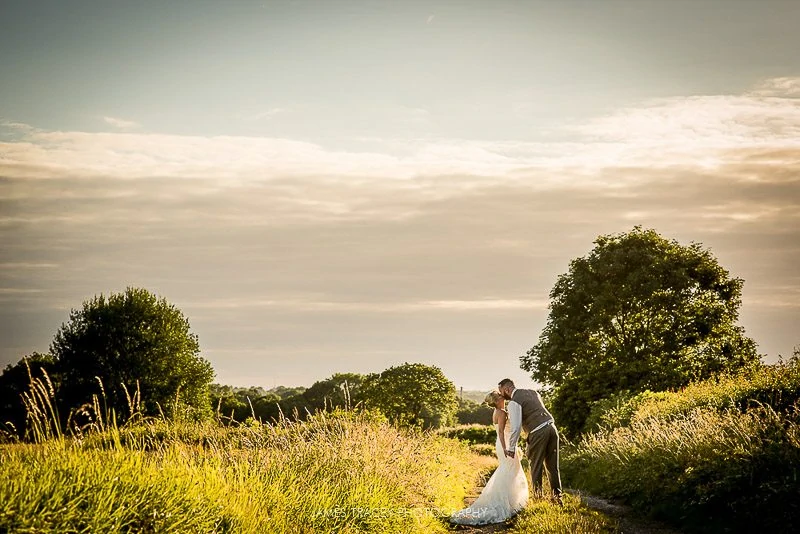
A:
x: 721, y: 455
x: 347, y: 471
x: 340, y: 473
x: 775, y: 385
x: 542, y: 517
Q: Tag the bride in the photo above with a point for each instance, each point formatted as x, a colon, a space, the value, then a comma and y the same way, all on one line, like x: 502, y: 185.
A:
x: 506, y: 492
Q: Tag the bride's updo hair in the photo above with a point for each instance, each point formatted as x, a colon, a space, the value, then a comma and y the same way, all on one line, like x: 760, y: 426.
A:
x: 492, y: 397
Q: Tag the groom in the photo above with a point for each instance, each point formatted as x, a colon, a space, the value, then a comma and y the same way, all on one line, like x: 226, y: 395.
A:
x: 526, y: 411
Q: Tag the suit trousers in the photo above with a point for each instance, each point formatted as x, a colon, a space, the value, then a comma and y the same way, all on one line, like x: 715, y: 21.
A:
x: 542, y: 452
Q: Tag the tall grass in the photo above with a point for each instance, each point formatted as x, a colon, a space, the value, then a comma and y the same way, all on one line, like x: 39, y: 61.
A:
x: 721, y: 455
x: 775, y: 385
x: 345, y: 472
x: 341, y: 472
x: 540, y: 517
x: 43, y: 420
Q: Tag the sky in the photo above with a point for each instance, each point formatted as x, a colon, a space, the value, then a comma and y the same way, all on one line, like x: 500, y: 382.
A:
x: 344, y: 186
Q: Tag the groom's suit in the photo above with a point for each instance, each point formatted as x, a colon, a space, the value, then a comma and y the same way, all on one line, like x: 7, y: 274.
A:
x: 526, y: 411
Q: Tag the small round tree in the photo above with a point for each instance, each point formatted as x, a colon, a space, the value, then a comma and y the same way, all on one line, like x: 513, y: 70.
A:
x: 127, y: 339
x: 638, y: 312
x: 412, y: 394
x: 340, y: 390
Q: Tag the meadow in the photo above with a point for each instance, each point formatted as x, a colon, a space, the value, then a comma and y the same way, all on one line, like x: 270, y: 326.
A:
x: 721, y: 455
x: 344, y: 471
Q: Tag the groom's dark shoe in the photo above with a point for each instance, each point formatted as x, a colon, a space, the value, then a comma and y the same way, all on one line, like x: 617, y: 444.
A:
x: 557, y: 500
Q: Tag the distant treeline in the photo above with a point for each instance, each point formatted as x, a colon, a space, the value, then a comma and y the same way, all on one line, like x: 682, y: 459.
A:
x: 342, y: 390
x: 133, y: 352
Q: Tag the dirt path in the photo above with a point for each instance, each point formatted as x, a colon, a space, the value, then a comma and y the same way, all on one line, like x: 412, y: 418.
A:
x: 629, y: 523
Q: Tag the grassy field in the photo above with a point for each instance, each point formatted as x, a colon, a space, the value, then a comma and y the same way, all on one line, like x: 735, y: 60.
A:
x: 720, y: 456
x: 541, y: 517
x: 345, y: 472
x: 337, y: 472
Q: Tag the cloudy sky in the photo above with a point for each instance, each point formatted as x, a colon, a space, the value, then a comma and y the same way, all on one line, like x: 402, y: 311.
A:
x: 326, y: 186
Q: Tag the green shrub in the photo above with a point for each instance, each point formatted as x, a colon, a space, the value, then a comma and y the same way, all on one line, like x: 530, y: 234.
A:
x: 775, y: 385
x: 720, y: 455
x: 471, y: 433
x: 473, y: 413
x: 618, y: 409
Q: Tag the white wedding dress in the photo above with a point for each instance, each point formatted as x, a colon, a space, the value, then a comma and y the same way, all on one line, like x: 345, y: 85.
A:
x: 505, y: 494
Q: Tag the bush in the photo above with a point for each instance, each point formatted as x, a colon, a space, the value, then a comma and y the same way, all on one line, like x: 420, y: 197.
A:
x: 777, y: 386
x: 471, y: 434
x: 618, y: 409
x: 412, y: 394
x: 707, y: 470
x: 473, y: 413
x: 721, y: 455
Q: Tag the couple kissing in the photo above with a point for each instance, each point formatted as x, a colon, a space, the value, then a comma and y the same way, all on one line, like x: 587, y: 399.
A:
x: 506, y: 492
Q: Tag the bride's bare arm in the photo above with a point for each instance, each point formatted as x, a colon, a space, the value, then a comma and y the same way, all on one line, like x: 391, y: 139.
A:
x: 502, y: 419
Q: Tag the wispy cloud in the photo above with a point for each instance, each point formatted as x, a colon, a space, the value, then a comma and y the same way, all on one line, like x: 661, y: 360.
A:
x: 430, y: 19
x: 122, y: 124
x: 18, y: 291
x: 19, y: 126
x: 778, y: 87
x: 702, y: 132
x: 26, y: 265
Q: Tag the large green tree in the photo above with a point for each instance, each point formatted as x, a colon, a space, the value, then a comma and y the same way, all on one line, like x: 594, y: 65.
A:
x: 638, y: 312
x: 412, y: 394
x: 129, y: 338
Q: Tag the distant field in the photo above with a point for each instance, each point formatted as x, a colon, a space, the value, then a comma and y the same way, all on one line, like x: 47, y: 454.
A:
x: 474, y: 396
